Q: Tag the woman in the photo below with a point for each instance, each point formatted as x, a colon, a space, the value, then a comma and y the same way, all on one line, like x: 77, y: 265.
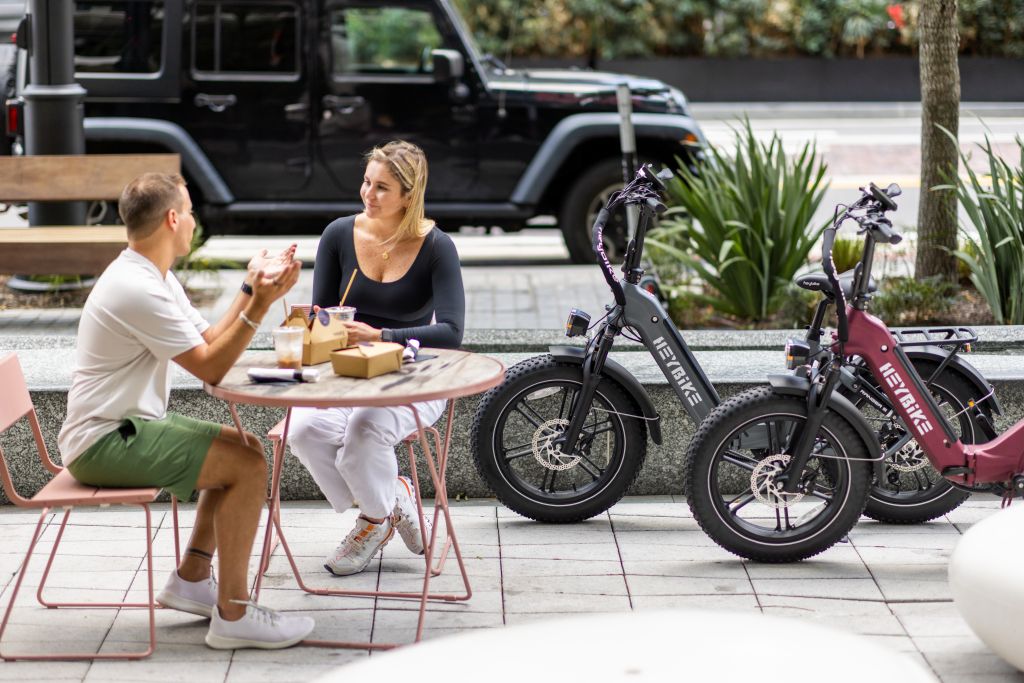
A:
x: 407, y: 285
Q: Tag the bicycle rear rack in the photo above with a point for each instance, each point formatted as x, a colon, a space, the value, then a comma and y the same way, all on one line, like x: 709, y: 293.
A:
x: 955, y: 337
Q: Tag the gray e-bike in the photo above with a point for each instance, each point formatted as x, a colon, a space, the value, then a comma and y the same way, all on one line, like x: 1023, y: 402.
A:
x: 565, y: 435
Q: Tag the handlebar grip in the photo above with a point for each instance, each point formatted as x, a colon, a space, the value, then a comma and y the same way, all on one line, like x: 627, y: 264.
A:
x: 887, y: 234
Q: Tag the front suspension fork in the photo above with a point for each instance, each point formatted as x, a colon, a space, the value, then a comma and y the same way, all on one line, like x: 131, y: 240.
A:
x: 802, y: 440
x: 593, y: 366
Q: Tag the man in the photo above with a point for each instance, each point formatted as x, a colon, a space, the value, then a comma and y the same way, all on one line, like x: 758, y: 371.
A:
x: 118, y: 431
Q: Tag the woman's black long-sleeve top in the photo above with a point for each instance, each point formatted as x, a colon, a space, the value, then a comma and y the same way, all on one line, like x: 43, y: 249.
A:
x: 430, y: 289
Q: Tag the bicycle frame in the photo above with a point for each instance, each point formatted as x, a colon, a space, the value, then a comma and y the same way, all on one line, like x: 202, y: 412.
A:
x: 992, y: 462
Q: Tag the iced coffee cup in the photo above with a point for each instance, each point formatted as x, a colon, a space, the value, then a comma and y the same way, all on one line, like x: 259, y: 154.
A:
x: 288, y: 346
x: 342, y: 313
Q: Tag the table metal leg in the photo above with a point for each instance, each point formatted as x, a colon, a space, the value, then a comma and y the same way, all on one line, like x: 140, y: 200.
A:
x: 436, y: 459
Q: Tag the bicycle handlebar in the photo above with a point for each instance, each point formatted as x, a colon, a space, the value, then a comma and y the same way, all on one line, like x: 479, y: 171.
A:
x: 645, y: 187
x: 877, y: 202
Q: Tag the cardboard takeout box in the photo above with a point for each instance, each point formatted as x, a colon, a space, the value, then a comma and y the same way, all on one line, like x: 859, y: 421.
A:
x: 318, y: 340
x: 367, y: 359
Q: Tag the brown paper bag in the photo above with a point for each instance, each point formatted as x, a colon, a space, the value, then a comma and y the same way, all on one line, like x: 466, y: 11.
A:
x: 318, y: 340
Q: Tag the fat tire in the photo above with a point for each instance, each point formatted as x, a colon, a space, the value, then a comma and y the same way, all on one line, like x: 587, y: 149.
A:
x: 484, y: 436
x: 719, y: 425
x: 943, y: 497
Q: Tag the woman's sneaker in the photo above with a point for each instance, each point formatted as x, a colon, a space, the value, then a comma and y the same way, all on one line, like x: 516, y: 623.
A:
x: 261, y: 627
x: 359, y: 547
x: 194, y: 597
x: 405, y: 517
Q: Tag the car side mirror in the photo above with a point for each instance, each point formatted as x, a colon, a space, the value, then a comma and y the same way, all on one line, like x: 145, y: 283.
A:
x: 448, y: 65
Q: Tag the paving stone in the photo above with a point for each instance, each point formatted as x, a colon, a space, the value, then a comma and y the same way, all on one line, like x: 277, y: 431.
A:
x: 701, y: 569
x: 857, y: 616
x: 570, y: 551
x: 961, y: 655
x: 924, y: 619
x: 850, y: 589
x: 682, y: 585
x: 912, y: 582
x: 746, y: 602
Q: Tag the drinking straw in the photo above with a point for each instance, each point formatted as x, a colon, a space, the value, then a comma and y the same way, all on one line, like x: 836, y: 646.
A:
x: 284, y: 302
x: 350, y: 281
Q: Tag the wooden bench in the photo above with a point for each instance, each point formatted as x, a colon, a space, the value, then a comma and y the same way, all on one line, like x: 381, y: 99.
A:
x: 69, y: 250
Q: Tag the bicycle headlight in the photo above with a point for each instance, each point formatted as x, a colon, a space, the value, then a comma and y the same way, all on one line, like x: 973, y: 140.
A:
x: 797, y: 352
x: 577, y: 324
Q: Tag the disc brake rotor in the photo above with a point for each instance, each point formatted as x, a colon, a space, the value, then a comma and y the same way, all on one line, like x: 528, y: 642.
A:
x: 548, y: 453
x: 910, y: 458
x: 766, y: 490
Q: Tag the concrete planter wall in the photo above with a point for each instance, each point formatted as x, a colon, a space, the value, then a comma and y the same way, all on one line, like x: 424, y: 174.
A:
x: 800, y: 79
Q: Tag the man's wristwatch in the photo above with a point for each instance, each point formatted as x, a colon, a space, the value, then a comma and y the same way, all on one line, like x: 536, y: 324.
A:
x: 246, y: 288
x: 386, y: 335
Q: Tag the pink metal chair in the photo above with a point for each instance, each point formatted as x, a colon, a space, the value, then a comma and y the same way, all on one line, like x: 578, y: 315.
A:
x: 63, y: 491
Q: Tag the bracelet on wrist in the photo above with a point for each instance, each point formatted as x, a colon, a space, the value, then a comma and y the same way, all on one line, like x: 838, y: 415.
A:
x: 248, y: 321
x: 246, y: 288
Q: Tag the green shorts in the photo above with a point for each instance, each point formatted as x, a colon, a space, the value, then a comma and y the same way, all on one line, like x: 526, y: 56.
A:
x: 168, y: 453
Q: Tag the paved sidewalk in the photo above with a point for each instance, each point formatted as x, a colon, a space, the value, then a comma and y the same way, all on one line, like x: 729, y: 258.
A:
x: 887, y: 584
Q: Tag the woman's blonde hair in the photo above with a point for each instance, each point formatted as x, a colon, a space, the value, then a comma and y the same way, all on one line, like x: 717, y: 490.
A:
x: 408, y: 164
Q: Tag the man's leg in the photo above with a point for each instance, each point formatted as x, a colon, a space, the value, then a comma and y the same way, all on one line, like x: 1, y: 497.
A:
x: 196, y: 563
x: 237, y: 475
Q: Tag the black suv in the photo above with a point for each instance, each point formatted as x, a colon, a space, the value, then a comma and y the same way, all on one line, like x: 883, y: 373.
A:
x: 272, y: 103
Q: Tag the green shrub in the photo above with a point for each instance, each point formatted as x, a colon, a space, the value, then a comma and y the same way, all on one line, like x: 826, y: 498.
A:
x: 612, y: 29
x: 743, y: 224
x: 994, y: 205
x: 797, y: 307
x: 846, y: 253
x: 906, y: 301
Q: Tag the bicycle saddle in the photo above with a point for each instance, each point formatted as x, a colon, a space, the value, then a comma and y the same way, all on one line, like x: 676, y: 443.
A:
x: 818, y: 282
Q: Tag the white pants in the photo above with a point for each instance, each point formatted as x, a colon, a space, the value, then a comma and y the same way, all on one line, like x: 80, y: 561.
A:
x: 351, y: 451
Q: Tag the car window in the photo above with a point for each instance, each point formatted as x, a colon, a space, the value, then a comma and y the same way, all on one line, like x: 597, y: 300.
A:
x: 120, y: 36
x: 255, y: 38
x: 382, y: 40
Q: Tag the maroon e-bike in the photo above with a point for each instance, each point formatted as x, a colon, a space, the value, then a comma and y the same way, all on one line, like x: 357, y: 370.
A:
x: 781, y: 473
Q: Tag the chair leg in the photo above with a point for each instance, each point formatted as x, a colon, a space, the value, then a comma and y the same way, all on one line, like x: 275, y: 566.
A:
x: 73, y: 656
x: 53, y: 554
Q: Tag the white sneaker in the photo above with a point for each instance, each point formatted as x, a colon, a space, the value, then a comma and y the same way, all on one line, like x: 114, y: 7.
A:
x: 359, y: 547
x: 406, y: 519
x: 194, y: 597
x: 261, y: 627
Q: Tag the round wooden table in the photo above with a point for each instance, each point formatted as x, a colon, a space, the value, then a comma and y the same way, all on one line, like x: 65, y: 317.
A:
x: 448, y: 375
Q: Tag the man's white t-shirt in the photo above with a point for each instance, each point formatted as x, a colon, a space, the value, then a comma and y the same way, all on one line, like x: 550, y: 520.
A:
x: 134, y: 321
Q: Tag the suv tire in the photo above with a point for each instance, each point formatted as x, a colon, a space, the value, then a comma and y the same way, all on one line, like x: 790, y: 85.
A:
x: 585, y: 198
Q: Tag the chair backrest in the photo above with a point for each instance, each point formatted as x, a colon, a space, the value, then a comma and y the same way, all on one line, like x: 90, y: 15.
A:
x: 15, y: 404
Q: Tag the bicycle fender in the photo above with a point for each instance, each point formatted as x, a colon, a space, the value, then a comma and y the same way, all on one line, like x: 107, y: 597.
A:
x: 622, y: 377
x: 791, y: 385
x: 962, y: 368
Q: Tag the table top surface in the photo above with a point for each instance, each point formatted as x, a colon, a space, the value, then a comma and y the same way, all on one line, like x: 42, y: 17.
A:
x: 450, y: 375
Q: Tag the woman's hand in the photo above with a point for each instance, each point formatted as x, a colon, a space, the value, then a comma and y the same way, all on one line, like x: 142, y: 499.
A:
x: 359, y: 332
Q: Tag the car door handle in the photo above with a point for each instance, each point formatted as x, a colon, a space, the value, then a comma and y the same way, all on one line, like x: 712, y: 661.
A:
x: 296, y: 111
x: 343, y: 105
x: 215, y: 103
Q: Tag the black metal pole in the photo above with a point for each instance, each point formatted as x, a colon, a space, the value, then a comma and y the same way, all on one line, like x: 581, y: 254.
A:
x: 53, y: 101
